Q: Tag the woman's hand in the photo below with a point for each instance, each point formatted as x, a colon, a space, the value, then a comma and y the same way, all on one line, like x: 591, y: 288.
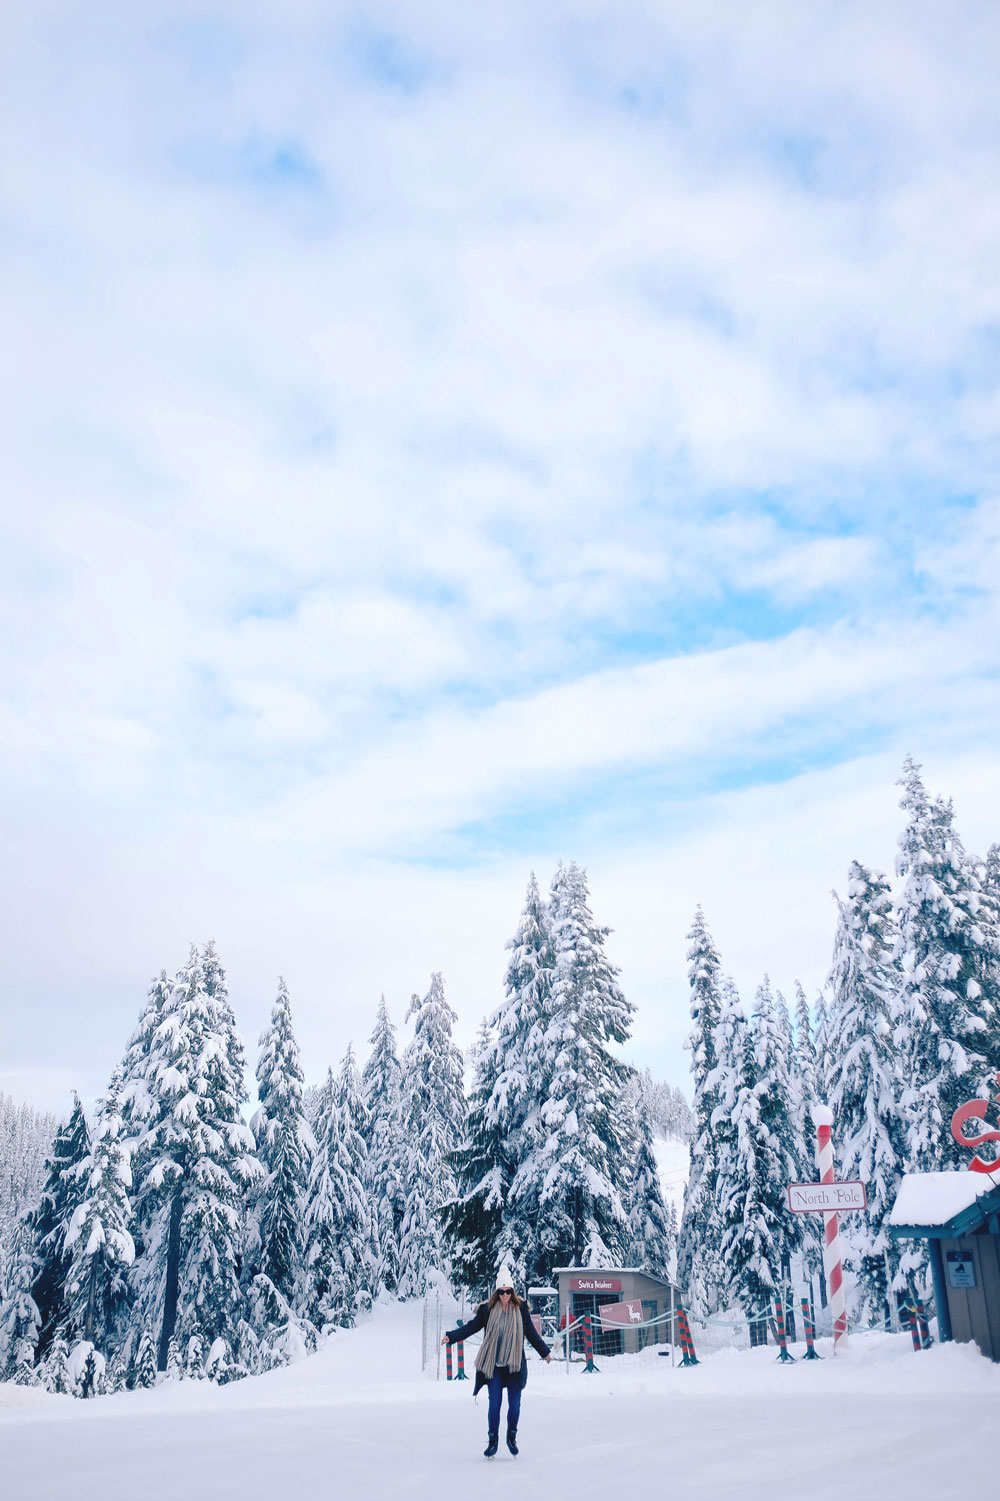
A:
x: 548, y: 1360
x: 444, y: 1339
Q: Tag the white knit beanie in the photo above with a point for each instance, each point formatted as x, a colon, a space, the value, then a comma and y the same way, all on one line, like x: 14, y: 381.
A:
x: 505, y: 1279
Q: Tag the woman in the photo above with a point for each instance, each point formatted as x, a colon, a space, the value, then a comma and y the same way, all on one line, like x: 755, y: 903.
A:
x: 500, y: 1362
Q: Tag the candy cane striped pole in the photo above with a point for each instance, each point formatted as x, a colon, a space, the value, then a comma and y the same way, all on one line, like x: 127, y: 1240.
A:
x: 588, y: 1345
x: 447, y: 1362
x: 460, y: 1347
x: 810, y: 1329
x: 832, y: 1265
x: 925, y: 1333
x: 687, y: 1343
x: 779, y: 1319
x: 911, y: 1319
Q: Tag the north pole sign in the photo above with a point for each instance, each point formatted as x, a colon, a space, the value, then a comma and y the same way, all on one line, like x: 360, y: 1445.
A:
x: 826, y: 1198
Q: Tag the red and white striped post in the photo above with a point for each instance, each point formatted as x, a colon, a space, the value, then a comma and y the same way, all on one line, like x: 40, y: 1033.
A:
x: 832, y: 1264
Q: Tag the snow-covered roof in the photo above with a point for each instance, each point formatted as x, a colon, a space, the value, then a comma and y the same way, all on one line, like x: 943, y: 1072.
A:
x: 935, y: 1199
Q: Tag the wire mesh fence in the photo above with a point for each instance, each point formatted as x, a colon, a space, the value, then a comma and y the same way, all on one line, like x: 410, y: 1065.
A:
x: 792, y: 1324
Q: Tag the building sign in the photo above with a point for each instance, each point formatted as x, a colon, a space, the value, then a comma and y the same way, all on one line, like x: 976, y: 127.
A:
x: 975, y: 1110
x: 961, y: 1269
x: 595, y: 1284
x: 826, y: 1198
x: 629, y: 1312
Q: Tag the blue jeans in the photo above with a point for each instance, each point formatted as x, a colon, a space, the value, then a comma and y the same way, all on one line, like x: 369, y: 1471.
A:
x: 512, y: 1380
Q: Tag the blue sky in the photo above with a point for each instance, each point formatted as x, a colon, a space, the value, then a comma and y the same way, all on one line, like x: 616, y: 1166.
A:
x: 443, y: 439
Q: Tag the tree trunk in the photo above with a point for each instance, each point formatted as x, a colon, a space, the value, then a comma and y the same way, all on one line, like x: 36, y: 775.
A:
x: 88, y: 1323
x: 172, y: 1279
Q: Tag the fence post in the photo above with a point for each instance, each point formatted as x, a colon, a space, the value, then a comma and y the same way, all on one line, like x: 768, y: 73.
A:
x: 925, y: 1333
x: 810, y: 1329
x: 779, y: 1318
x: 911, y: 1319
x: 673, y: 1327
x: 588, y: 1346
x: 447, y: 1362
x: 687, y: 1343
x: 437, y: 1337
x: 461, y: 1361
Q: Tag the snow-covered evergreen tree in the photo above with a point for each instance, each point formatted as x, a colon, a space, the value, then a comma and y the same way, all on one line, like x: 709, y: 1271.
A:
x: 98, y: 1239
x: 943, y: 1017
x: 380, y: 1090
x: 434, y: 1117
x: 753, y: 1154
x: 195, y: 1166
x: 342, y: 1254
x: 651, y: 1235
x: 473, y: 1219
x: 697, y: 1246
x: 67, y: 1171
x: 581, y: 1218
x: 779, y: 1105
x: 864, y: 1083
x: 284, y: 1146
x: 513, y: 1118
x: 26, y: 1137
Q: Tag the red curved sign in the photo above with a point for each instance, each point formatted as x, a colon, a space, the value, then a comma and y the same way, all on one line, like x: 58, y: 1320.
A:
x: 974, y: 1110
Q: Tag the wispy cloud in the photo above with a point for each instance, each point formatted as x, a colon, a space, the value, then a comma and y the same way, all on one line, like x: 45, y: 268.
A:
x: 439, y: 439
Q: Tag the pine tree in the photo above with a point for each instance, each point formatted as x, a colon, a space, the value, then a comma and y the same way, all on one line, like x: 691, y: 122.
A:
x: 696, y: 1260
x: 145, y: 1361
x: 652, y: 1236
x: 581, y: 1219
x: 380, y: 1090
x: 473, y: 1219
x: 779, y: 1107
x: 868, y: 1129
x: 20, y: 1320
x: 434, y: 1106
x: 342, y: 1253
x: 941, y: 1025
x: 751, y: 1246
x: 65, y: 1185
x: 98, y: 1239
x: 284, y: 1147
x: 513, y: 1117
x: 805, y: 1073
x: 55, y: 1370
x: 196, y: 1165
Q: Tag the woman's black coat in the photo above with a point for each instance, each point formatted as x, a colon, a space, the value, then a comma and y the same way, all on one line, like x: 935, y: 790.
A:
x: 478, y: 1321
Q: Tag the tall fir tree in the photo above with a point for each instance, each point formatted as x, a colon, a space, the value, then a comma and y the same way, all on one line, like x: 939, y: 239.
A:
x: 943, y: 1016
x: 864, y: 1082
x: 98, y: 1240
x: 513, y: 1117
x: 754, y: 1157
x: 196, y: 1166
x: 581, y: 1218
x: 651, y: 1233
x: 342, y: 1254
x: 284, y: 1146
x: 65, y: 1186
x: 805, y: 1074
x: 381, y: 1083
x: 434, y: 1106
x: 473, y: 1218
x: 697, y: 1249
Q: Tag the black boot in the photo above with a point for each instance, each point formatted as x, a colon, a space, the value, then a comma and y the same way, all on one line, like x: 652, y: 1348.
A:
x: 512, y: 1440
x: 492, y: 1446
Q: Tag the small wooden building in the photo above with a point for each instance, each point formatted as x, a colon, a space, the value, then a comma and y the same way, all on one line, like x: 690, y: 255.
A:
x: 588, y: 1289
x: 958, y: 1214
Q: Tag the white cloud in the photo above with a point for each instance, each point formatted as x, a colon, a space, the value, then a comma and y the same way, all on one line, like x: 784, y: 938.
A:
x: 490, y: 469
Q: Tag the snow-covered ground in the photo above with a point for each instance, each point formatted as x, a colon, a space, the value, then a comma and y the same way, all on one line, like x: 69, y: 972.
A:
x: 360, y: 1419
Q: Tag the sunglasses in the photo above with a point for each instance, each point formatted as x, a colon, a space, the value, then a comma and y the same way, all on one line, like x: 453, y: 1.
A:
x: 504, y: 1292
